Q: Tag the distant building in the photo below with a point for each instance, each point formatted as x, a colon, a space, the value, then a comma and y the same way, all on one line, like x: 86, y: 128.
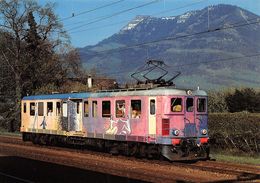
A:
x: 96, y: 83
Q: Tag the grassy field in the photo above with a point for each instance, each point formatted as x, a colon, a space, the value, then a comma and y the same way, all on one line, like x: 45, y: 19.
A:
x: 243, y: 159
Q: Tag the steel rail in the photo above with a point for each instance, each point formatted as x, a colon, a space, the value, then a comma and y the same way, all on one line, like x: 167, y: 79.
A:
x: 15, y: 178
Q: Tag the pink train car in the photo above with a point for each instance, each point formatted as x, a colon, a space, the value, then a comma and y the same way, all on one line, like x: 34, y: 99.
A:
x: 162, y: 121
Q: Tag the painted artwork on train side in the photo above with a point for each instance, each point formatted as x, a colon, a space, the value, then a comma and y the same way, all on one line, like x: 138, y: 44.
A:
x: 119, y: 127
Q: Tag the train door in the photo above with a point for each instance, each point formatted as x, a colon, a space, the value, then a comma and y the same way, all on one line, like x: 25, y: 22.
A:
x: 152, y: 116
x: 201, y: 116
x: 49, y: 117
x: 189, y: 119
x: 64, y: 116
x: 33, y: 106
x: 74, y: 113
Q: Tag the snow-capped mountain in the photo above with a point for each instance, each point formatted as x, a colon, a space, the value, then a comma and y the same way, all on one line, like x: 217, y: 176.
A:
x: 192, y: 55
x: 134, y: 23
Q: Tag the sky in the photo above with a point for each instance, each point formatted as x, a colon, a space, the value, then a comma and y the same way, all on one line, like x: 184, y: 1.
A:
x: 87, y: 24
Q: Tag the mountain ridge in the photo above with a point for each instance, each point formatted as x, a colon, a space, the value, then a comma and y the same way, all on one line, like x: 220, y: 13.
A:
x: 219, y: 45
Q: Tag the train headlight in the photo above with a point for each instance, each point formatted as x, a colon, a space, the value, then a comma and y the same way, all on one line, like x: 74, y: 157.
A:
x: 176, y: 132
x: 189, y: 92
x: 204, y: 132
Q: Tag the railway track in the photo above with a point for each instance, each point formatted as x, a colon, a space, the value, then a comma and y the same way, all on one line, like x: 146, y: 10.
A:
x: 4, y: 177
x: 143, y: 169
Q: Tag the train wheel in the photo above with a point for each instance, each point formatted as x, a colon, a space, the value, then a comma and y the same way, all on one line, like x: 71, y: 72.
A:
x: 35, y: 138
x: 152, y: 152
x: 26, y: 137
x: 114, y: 149
x: 43, y: 139
x: 141, y: 151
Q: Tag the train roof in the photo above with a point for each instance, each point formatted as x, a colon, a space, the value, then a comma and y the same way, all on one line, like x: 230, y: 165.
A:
x: 121, y: 92
x: 58, y: 96
x: 150, y: 92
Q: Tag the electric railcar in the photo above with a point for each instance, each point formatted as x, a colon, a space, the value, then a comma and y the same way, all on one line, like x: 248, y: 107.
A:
x: 147, y: 122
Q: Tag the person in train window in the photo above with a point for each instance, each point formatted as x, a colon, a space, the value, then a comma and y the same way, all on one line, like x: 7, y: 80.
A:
x: 136, y: 114
x: 190, y: 109
x: 176, y: 108
x: 49, y: 112
x: 121, y: 110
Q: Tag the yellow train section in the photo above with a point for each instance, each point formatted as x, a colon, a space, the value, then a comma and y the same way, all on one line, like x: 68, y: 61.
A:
x: 49, y: 115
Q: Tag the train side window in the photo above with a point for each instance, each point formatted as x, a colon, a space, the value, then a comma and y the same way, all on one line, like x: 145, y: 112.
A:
x: 136, y: 108
x: 58, y: 108
x: 32, y: 109
x: 49, y: 108
x: 40, y: 109
x: 106, y: 109
x: 189, y: 104
x: 64, y: 109
x: 120, y: 108
x: 24, y: 107
x: 77, y: 107
x: 152, y: 107
x: 86, y: 109
x: 201, y: 105
x: 94, y: 109
x: 176, y: 104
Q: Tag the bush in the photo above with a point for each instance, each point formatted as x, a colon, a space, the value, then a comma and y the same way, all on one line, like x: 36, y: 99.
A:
x: 217, y: 102
x: 237, y: 132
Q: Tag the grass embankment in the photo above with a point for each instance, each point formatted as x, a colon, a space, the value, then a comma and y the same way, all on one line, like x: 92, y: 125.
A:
x: 5, y: 132
x: 241, y: 159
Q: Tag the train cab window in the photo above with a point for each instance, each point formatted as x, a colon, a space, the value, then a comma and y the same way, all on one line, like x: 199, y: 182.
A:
x: 152, y: 107
x: 120, y: 108
x: 176, y: 104
x: 24, y: 107
x: 189, y: 104
x: 86, y: 109
x: 201, y: 105
x: 136, y: 108
x: 40, y: 109
x: 106, y: 109
x: 32, y: 109
x: 49, y: 108
x: 64, y: 109
x: 58, y: 108
x: 94, y: 109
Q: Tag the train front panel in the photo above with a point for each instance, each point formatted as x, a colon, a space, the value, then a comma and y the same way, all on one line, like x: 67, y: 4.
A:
x: 182, y: 127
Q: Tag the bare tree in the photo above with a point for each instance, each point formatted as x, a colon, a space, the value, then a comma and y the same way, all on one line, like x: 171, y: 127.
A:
x: 32, y: 39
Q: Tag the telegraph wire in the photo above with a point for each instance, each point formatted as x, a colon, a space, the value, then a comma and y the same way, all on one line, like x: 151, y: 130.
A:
x: 91, y: 10
x: 114, y: 14
x: 99, y: 27
x: 126, y: 21
x: 248, y: 21
x: 220, y: 60
x: 174, y: 9
x: 176, y: 37
x: 203, y: 62
x: 241, y: 21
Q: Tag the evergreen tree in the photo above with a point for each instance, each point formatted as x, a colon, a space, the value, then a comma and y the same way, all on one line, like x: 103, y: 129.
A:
x: 243, y: 100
